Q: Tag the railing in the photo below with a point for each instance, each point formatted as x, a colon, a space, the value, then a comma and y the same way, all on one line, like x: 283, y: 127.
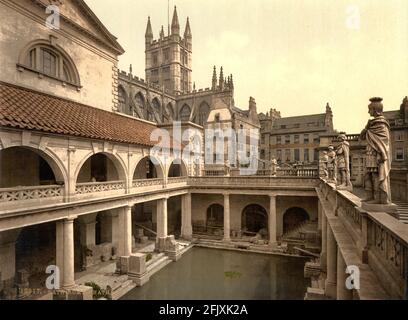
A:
x: 290, y: 172
x: 92, y: 187
x: 147, y: 182
x: 30, y: 193
x: 177, y: 180
x: 381, y: 236
x: 252, y: 181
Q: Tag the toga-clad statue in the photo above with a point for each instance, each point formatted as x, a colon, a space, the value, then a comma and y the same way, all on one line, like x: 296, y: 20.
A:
x: 343, y: 164
x: 331, y: 165
x: 377, y: 156
x: 273, y: 166
x: 323, y: 173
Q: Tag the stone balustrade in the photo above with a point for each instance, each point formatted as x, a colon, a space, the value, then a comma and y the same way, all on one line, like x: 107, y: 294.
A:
x: 30, y: 193
x: 380, y: 239
x: 147, y: 183
x: 177, y: 180
x: 95, y: 187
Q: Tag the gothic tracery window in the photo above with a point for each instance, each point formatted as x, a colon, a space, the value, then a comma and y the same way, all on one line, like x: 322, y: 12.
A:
x: 185, y: 113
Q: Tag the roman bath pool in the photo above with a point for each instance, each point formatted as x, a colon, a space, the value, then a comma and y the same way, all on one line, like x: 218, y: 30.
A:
x: 204, y: 274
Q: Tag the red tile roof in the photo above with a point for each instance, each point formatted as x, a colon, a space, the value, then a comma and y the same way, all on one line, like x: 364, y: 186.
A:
x: 26, y: 109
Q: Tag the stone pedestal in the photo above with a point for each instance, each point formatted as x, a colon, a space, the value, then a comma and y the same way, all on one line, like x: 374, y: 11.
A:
x: 122, y: 265
x: 137, y: 269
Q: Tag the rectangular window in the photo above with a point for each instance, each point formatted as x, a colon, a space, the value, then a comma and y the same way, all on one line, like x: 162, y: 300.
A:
x: 166, y: 54
x: 316, y: 155
x: 283, y: 126
x: 287, y: 139
x: 278, y: 140
x: 297, y: 155
x: 316, y: 139
x: 306, y: 155
x: 279, y: 155
x: 306, y: 138
x: 399, y: 154
x: 287, y: 155
x: 296, y: 138
x: 399, y: 136
x: 155, y: 59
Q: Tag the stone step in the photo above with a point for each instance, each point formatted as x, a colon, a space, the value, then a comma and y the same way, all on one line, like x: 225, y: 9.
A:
x: 158, y: 265
x: 154, y: 259
x: 123, y: 289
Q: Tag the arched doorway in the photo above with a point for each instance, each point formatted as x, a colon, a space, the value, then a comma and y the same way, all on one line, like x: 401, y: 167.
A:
x: 255, y: 219
x: 215, y: 217
x: 293, y: 218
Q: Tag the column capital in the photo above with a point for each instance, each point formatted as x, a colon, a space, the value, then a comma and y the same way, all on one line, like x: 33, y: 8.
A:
x: 226, y: 194
x: 272, y: 196
x: 70, y: 219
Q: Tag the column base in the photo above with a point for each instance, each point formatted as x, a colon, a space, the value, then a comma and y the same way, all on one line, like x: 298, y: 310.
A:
x: 331, y: 290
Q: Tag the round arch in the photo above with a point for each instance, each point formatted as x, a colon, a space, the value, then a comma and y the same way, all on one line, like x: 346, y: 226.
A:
x: 24, y: 53
x: 54, y: 163
x: 255, y: 219
x: 148, y: 167
x: 117, y: 163
x: 215, y: 216
x: 177, y: 168
x: 293, y: 218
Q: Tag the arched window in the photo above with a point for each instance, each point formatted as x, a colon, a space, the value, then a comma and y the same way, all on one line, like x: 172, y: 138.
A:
x: 169, y: 114
x: 185, y: 113
x: 203, y: 112
x: 156, y: 105
x: 140, y: 103
x: 49, y: 60
x: 122, y: 99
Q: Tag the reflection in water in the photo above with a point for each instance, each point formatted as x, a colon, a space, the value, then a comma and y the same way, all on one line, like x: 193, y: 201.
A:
x: 208, y: 274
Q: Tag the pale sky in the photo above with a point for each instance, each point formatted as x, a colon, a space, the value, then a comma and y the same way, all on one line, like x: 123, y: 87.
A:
x: 292, y: 55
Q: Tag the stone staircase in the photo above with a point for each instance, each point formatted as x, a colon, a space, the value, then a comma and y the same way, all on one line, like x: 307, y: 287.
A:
x: 402, y: 211
x: 123, y: 287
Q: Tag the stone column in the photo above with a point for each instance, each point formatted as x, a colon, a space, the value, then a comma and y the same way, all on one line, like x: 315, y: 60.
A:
x: 227, y: 218
x: 59, y: 244
x: 161, y: 213
x: 127, y: 231
x: 342, y: 292
x: 323, y: 254
x: 186, y: 227
x: 319, y: 215
x: 272, y: 221
x: 331, y: 280
x: 68, y: 260
x: 8, y: 241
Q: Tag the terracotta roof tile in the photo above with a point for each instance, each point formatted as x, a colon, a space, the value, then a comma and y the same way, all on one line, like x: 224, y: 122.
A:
x: 26, y: 109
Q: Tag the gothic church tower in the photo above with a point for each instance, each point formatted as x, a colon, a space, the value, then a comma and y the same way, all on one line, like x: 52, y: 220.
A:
x: 169, y: 58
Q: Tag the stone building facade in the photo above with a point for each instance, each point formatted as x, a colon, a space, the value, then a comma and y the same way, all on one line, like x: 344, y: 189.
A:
x: 293, y: 139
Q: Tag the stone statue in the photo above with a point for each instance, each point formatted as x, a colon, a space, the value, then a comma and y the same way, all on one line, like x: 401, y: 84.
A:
x: 323, y: 173
x: 377, y: 156
x: 331, y: 165
x: 273, y: 164
x: 227, y: 168
x: 343, y: 164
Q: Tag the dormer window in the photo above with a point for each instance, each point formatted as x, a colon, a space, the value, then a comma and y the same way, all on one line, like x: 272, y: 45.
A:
x: 217, y: 118
x: 49, y: 60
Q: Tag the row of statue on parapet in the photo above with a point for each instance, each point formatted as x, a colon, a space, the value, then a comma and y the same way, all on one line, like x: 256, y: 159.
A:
x: 335, y: 166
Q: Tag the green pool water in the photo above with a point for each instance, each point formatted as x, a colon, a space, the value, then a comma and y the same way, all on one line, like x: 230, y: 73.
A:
x: 209, y: 274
